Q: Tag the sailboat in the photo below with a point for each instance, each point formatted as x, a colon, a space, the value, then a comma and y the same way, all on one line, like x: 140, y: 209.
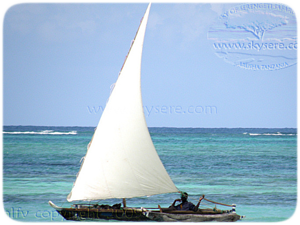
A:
x: 121, y: 161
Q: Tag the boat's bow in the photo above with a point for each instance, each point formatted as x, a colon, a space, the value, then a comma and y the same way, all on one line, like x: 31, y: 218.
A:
x: 55, y: 206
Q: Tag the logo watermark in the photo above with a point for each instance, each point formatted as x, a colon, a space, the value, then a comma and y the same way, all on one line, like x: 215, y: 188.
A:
x: 256, y: 36
x: 166, y: 110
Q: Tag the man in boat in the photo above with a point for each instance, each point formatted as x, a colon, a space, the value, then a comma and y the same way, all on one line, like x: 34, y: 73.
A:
x: 185, y: 205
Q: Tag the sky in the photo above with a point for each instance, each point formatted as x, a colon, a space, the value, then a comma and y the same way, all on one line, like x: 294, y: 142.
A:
x: 203, y: 65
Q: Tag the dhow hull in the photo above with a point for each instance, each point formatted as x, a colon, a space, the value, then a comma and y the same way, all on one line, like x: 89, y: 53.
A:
x: 136, y: 214
x: 173, y: 217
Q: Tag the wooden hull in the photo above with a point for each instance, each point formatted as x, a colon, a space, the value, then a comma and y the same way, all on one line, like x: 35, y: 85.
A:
x: 180, y: 217
x: 140, y: 214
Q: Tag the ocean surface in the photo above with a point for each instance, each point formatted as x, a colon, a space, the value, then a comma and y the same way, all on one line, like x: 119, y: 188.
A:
x: 254, y: 168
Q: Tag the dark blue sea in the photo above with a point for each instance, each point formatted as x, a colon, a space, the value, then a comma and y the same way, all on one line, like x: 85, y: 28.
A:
x: 252, y: 167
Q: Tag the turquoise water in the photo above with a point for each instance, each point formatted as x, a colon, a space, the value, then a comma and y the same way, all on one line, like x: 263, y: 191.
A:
x: 254, y: 168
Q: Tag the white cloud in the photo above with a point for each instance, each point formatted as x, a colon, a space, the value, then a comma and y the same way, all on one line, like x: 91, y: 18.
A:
x: 20, y: 18
x: 52, y: 22
x: 28, y: 8
x: 182, y: 22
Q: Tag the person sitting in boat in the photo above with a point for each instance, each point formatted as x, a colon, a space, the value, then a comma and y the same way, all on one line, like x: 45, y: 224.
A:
x: 185, y: 205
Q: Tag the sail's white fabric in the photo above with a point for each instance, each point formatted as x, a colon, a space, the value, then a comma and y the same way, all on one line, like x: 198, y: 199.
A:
x: 122, y: 161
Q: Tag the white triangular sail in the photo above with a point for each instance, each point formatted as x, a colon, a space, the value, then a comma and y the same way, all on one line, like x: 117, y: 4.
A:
x: 121, y: 161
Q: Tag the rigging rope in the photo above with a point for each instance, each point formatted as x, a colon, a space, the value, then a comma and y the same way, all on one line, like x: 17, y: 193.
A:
x: 217, y: 202
x: 211, y: 202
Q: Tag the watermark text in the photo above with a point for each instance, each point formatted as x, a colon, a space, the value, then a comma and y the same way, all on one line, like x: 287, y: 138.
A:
x: 166, y: 110
x: 18, y: 213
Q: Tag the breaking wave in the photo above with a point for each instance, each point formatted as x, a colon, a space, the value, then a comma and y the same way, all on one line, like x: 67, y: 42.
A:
x: 269, y: 134
x: 47, y: 132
